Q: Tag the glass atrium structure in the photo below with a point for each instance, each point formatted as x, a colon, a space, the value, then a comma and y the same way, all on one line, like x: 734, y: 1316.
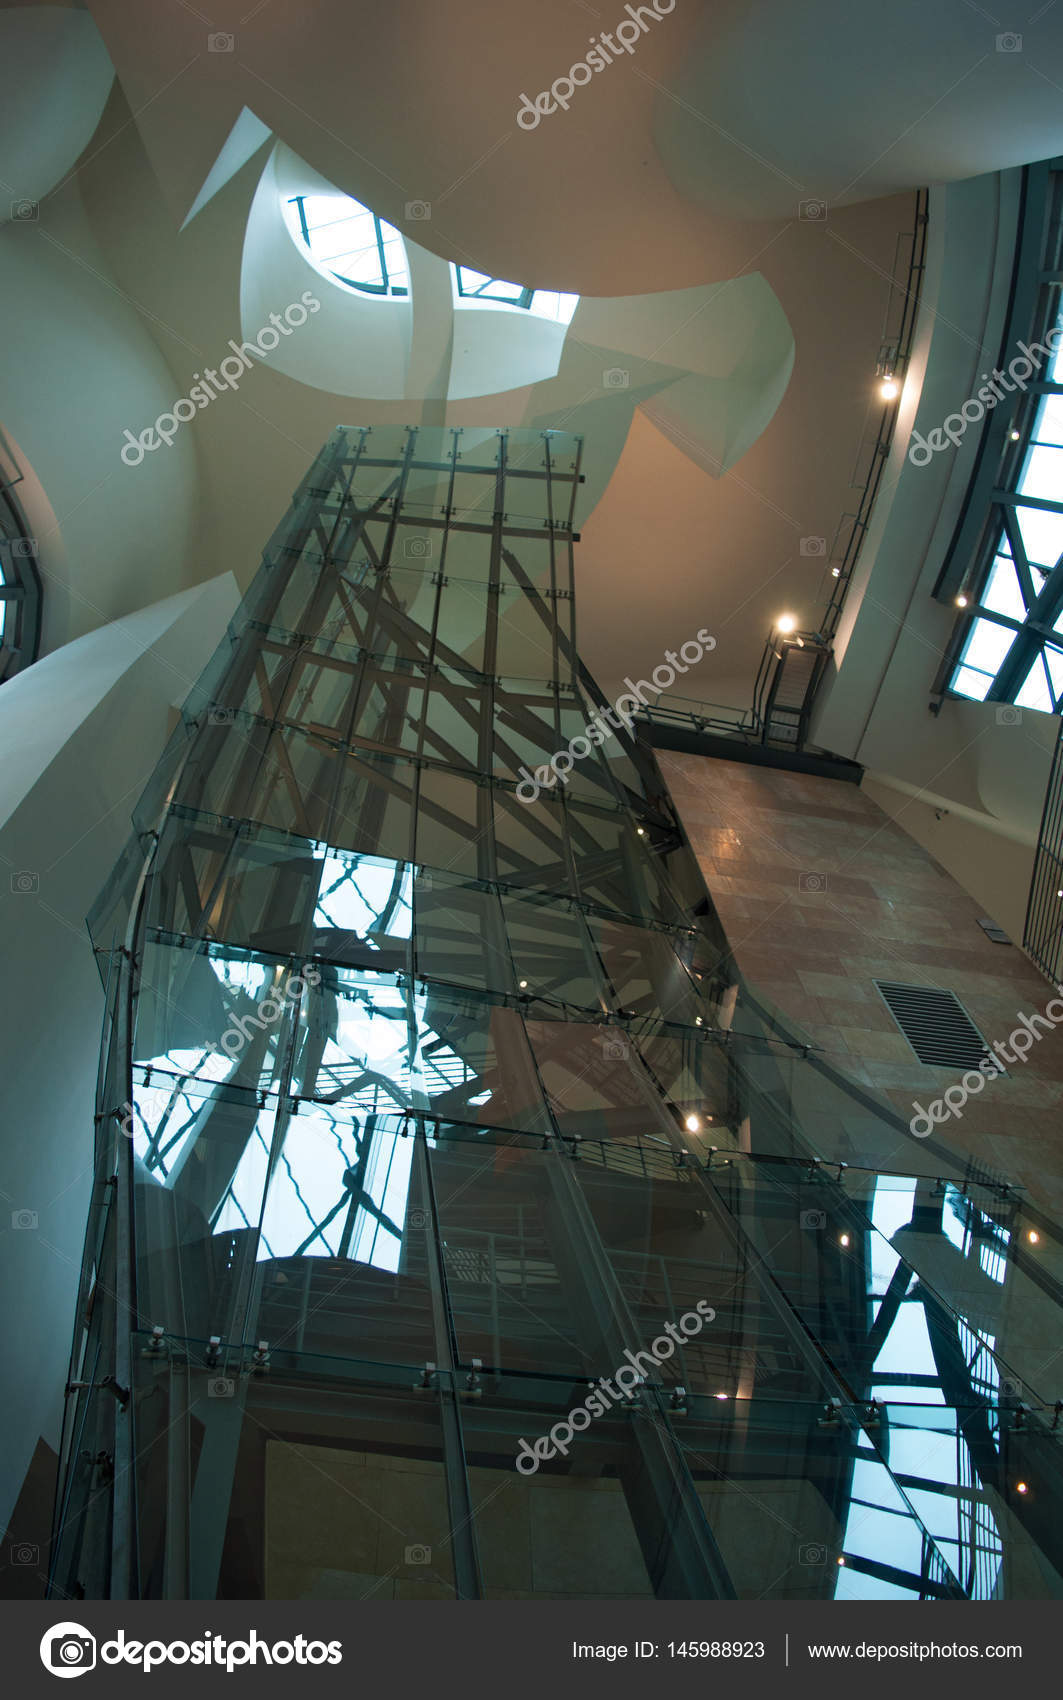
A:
x: 423, y: 1106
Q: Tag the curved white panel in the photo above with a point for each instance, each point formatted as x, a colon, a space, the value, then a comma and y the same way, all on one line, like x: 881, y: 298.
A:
x: 354, y: 345
x: 57, y: 76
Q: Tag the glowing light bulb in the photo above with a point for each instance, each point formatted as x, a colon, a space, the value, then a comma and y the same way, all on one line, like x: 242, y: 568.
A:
x: 1033, y: 1236
x: 889, y: 388
x: 961, y: 600
x: 1014, y: 435
x: 844, y: 1239
x: 1022, y: 1487
x: 524, y: 985
x: 786, y: 623
x: 692, y: 1124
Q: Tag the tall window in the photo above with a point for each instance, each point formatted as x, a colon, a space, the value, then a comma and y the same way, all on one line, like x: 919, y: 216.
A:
x: 1006, y: 560
x: 349, y: 243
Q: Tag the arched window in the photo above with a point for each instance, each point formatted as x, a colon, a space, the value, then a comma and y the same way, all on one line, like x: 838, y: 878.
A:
x: 349, y: 243
x: 20, y: 589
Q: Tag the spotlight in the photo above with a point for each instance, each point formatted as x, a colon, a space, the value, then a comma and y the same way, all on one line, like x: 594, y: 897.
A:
x: 524, y: 985
x: 1022, y: 1487
x: 889, y: 388
x: 692, y: 1124
x: 1033, y: 1236
x: 722, y: 1395
x: 786, y: 623
x: 843, y: 1239
x: 961, y: 600
x: 841, y: 1560
x: 1014, y: 435
x: 836, y: 572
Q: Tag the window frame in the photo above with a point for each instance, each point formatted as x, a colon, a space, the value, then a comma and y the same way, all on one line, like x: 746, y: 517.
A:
x: 384, y: 289
x: 989, y: 527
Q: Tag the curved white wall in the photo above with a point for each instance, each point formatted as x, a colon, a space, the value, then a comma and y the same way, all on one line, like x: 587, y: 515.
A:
x: 77, y: 369
x: 57, y: 75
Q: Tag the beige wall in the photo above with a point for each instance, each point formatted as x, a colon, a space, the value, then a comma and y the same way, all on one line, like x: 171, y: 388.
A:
x: 820, y: 894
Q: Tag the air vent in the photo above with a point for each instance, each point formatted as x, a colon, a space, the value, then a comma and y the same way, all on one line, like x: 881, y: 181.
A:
x: 992, y: 931
x: 935, y: 1024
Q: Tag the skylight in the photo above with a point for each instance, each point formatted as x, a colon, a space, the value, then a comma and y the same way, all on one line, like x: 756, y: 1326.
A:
x: 477, y: 289
x: 349, y: 244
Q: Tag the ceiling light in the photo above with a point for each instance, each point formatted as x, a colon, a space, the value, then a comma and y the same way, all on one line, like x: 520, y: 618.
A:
x: 843, y: 1239
x: 836, y: 572
x: 692, y: 1124
x: 1033, y: 1236
x: 1022, y: 1487
x: 1015, y: 435
x: 786, y: 623
x: 524, y: 985
x: 841, y: 1560
x: 889, y: 389
x: 721, y: 1395
x: 961, y: 600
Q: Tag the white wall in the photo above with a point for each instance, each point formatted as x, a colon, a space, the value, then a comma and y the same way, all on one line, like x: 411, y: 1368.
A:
x: 93, y: 718
x: 78, y: 366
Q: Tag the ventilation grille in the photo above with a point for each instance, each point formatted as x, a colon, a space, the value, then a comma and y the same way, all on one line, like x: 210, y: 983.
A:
x: 935, y: 1024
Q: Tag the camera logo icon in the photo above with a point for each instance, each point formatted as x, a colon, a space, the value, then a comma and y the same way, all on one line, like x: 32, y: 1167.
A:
x: 813, y: 545
x: 1009, y: 715
x: 417, y: 548
x: 812, y: 1553
x: 26, y: 210
x: 417, y: 1555
x: 24, y: 547
x: 418, y: 209
x: 67, y: 1649
x: 1009, y: 42
x: 615, y: 378
x: 24, y: 1552
x: 25, y: 882
x: 221, y: 1387
x: 814, y: 1219
x: 812, y: 210
x: 615, y: 1049
x: 220, y: 42
x: 23, y: 1218
x: 417, y: 1219
x: 812, y: 882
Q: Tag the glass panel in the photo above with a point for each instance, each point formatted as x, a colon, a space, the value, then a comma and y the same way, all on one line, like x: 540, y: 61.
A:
x: 1042, y: 534
x: 1035, y: 691
x: 369, y: 1524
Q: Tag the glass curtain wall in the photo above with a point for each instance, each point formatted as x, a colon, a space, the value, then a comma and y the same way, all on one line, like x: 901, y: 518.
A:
x: 463, y: 1225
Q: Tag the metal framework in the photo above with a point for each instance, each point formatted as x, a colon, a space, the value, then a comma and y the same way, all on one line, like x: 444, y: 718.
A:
x: 424, y: 1103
